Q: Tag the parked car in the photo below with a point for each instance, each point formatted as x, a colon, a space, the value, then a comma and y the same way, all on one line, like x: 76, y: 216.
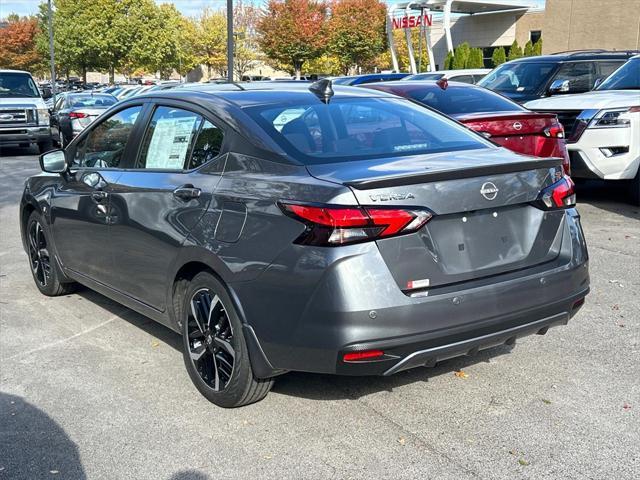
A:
x: 127, y: 91
x: 490, y: 114
x: 469, y: 75
x: 368, y: 78
x: 24, y: 117
x: 73, y: 112
x: 365, y: 236
x: 603, y: 127
x: 529, y: 78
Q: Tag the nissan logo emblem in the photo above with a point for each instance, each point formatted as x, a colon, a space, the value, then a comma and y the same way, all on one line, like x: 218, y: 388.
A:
x: 489, y: 190
x: 517, y: 125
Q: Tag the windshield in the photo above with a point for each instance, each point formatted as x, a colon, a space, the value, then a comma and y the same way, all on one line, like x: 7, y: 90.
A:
x: 79, y: 101
x: 357, y: 129
x: 461, y: 100
x: 17, y: 85
x: 524, y: 77
x: 425, y: 76
x: 627, y: 77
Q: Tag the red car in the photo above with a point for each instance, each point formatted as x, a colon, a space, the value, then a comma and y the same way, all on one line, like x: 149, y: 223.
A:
x: 494, y: 116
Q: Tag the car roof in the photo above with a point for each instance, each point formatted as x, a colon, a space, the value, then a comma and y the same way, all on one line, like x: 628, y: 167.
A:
x: 7, y: 70
x: 578, y: 55
x: 460, y: 71
x: 259, y: 93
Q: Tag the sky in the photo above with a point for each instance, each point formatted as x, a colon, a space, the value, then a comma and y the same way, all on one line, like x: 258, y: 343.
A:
x: 187, y: 7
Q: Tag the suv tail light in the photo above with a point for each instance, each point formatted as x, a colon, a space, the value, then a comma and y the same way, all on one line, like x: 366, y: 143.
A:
x: 77, y: 115
x: 332, y: 225
x: 559, y: 195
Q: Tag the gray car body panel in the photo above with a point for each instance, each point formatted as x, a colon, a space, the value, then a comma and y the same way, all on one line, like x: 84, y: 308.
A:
x: 303, y: 306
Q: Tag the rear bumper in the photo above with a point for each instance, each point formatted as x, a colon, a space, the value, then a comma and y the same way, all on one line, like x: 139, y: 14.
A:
x: 20, y: 135
x: 334, y: 301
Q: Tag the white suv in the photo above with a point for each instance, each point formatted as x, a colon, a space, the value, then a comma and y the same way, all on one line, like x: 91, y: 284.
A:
x: 603, y: 127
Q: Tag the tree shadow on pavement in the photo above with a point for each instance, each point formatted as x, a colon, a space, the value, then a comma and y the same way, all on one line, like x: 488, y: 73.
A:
x: 33, y: 445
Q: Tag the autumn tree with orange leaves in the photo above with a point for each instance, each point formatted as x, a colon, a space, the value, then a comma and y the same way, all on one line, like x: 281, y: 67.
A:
x: 293, y: 31
x: 18, y: 48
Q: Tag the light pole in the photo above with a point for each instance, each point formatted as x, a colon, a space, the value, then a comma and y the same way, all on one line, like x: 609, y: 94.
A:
x: 53, y: 65
x: 230, y: 41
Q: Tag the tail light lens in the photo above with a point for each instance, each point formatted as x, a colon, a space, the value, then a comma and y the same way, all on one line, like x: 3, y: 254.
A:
x: 554, y: 131
x: 330, y: 225
x: 559, y: 195
x: 77, y: 115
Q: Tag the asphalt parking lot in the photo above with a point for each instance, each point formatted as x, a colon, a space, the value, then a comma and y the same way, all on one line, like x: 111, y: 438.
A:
x: 90, y: 389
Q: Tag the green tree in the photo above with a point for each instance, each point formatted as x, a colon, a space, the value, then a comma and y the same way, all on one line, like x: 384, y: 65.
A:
x: 383, y: 60
x: 528, y: 49
x: 515, y: 51
x: 356, y: 31
x: 461, y: 56
x: 476, y: 58
x: 293, y: 31
x: 498, y: 57
x: 326, y: 64
x: 211, y: 42
x: 537, y: 47
x: 448, y: 61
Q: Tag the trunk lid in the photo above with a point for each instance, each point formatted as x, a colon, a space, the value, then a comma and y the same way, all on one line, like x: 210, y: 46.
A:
x: 483, y: 224
x: 522, y: 132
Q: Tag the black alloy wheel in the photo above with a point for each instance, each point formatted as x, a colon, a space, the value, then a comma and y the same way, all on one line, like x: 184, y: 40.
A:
x: 210, y: 339
x: 39, y: 254
x: 214, y: 347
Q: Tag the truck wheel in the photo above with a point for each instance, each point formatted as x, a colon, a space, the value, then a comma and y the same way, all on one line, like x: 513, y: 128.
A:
x: 45, y: 146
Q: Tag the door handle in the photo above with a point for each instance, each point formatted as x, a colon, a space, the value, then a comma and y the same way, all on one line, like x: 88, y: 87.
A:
x: 187, y: 192
x: 99, y: 195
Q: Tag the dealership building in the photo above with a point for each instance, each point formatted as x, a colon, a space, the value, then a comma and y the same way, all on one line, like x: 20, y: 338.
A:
x: 489, y: 24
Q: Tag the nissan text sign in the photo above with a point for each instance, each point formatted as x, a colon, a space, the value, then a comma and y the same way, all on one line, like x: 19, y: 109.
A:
x: 412, y: 21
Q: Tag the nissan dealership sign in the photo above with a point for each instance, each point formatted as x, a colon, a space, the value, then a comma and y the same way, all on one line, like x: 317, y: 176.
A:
x: 411, y: 21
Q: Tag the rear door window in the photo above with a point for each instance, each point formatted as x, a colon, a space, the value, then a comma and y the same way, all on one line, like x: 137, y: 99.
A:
x: 169, y: 139
x: 607, y: 68
x: 463, y: 78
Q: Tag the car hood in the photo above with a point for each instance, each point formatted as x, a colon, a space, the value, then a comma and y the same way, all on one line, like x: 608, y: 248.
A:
x: 590, y: 100
x: 32, y: 102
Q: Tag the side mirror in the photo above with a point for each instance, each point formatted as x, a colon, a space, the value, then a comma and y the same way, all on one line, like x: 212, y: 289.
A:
x: 598, y: 82
x: 54, y: 161
x: 559, y: 86
x: 46, y: 93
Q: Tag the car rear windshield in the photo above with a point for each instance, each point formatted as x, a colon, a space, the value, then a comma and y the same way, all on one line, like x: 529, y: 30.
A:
x: 525, y: 77
x: 627, y: 77
x: 361, y: 128
x: 16, y: 84
x: 79, y: 101
x: 461, y: 100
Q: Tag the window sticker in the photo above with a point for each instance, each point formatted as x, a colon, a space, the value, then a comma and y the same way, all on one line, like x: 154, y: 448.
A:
x: 170, y: 143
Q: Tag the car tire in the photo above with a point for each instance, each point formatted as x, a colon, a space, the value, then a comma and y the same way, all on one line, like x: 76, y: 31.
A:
x: 634, y: 189
x: 45, y: 146
x: 214, y: 348
x: 44, y: 267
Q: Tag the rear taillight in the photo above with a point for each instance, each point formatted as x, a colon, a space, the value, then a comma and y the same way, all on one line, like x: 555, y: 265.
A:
x: 559, y: 195
x: 554, y: 131
x: 331, y: 225
x: 364, y: 355
x: 77, y: 115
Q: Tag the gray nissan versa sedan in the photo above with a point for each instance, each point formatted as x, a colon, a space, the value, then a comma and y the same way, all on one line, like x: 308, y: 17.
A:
x: 302, y: 227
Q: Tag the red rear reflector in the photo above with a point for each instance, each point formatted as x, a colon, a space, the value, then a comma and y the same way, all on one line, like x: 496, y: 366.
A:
x: 364, y: 355
x: 77, y: 115
x: 578, y: 303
